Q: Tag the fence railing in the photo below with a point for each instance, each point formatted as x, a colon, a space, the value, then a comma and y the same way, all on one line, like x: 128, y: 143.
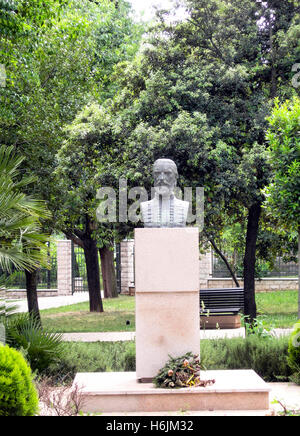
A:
x: 280, y: 269
x: 46, y: 278
x: 79, y: 274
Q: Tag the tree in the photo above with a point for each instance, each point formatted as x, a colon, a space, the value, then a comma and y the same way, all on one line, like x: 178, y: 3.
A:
x: 76, y: 169
x: 18, y: 17
x: 199, y: 94
x: 85, y: 163
x: 22, y: 244
x: 86, y: 157
x: 284, y: 151
x: 58, y: 57
x: 41, y: 47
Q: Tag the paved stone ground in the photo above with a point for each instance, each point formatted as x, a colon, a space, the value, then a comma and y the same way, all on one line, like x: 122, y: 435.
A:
x: 50, y: 302
x: 130, y: 336
x: 99, y: 336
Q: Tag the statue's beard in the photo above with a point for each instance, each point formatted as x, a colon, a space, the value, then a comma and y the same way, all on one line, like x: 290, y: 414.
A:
x: 164, y: 190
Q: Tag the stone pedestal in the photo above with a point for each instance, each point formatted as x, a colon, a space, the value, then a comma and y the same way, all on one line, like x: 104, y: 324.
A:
x: 167, y: 297
x: 167, y: 323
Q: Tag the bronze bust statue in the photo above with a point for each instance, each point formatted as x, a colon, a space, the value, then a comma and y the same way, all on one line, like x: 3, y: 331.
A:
x: 164, y: 210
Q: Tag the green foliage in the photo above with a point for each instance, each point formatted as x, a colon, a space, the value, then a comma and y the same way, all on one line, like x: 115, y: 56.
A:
x: 21, y: 241
x: 100, y: 356
x: 129, y: 358
x: 18, y: 396
x: 257, y: 327
x: 64, y: 62
x: 41, y: 348
x: 18, y: 17
x: 294, y: 353
x: 283, y: 135
x: 284, y: 191
x: 266, y: 357
x: 199, y: 94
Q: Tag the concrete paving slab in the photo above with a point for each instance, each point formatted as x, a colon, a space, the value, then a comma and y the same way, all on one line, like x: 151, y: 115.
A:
x: 99, y: 337
x: 52, y: 302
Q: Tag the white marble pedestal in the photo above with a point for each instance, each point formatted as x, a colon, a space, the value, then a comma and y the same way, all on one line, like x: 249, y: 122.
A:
x: 167, y: 297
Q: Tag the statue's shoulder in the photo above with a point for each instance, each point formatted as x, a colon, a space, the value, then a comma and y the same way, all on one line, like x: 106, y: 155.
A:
x: 181, y: 203
x: 148, y: 203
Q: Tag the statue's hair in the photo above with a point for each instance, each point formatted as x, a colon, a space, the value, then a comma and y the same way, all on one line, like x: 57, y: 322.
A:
x: 170, y: 161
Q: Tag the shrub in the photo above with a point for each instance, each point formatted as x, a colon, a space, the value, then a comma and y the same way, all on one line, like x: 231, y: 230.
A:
x: 18, y: 395
x: 40, y: 347
x: 266, y: 356
x: 59, y: 373
x: 62, y: 401
x: 294, y: 353
x: 129, y: 357
x: 100, y: 356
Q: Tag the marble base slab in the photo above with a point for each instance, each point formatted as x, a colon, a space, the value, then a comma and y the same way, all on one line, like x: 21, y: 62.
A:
x: 120, y: 392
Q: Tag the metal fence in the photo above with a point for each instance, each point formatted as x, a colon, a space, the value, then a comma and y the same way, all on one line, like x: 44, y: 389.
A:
x: 46, y: 278
x: 283, y: 269
x: 280, y: 269
x: 79, y: 274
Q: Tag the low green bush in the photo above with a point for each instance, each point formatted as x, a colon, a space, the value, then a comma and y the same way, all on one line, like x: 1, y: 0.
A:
x: 266, y: 356
x: 18, y: 395
x: 101, y: 356
x: 41, y: 348
x: 294, y: 353
x: 129, y: 357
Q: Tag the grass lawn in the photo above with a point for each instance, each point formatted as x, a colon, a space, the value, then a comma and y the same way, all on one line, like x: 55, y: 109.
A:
x: 279, y: 309
x: 78, y: 318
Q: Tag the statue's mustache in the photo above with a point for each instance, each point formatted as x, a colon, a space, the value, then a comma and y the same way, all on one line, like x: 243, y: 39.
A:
x: 162, y: 183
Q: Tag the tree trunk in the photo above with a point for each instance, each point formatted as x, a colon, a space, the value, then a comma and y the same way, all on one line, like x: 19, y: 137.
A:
x: 31, y: 291
x: 49, y: 270
x: 93, y: 274
x: 108, y: 272
x: 103, y: 271
x: 249, y: 261
x: 225, y: 261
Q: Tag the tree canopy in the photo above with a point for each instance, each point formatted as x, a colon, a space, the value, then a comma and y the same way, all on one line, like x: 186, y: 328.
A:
x: 284, y: 192
x: 85, y: 107
x: 199, y: 93
x: 22, y: 245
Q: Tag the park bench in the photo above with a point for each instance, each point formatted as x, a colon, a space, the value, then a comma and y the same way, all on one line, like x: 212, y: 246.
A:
x: 221, y: 307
